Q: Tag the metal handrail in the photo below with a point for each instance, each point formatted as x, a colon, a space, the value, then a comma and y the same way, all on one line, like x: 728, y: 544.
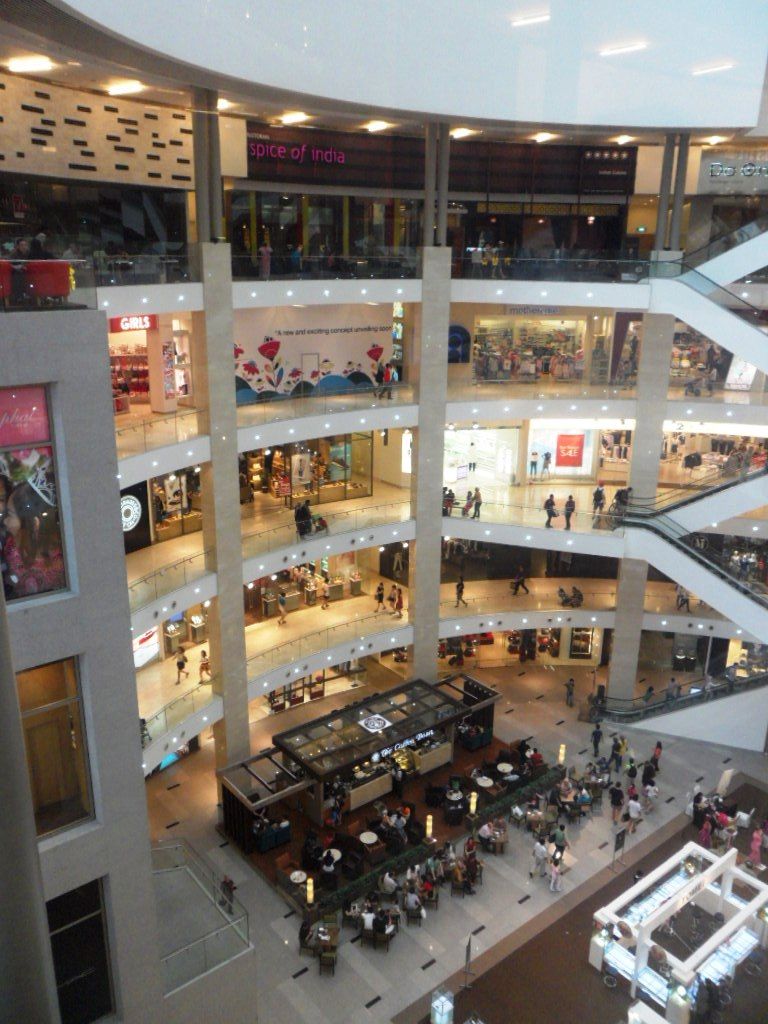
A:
x: 157, y: 716
x: 144, y: 426
x: 168, y: 567
x: 271, y: 408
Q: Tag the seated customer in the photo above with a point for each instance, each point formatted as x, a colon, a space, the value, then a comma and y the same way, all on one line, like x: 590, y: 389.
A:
x: 412, y: 901
x: 382, y: 925
x: 536, y: 759
x: 388, y: 884
x: 399, y: 822
x: 367, y: 918
x: 328, y: 864
x: 460, y: 877
x: 306, y: 933
x: 485, y: 835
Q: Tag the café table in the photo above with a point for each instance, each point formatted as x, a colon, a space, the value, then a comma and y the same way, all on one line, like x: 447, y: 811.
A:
x: 454, y: 796
x: 328, y: 936
x: 368, y: 838
x: 298, y: 877
x: 336, y: 854
x: 498, y: 842
x: 483, y: 781
x: 503, y: 768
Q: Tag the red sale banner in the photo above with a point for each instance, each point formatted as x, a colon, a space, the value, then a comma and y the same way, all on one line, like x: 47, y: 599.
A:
x: 570, y: 449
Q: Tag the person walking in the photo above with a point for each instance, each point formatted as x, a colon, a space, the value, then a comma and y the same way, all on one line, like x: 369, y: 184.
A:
x: 596, y: 737
x: 379, y: 379
x: 477, y: 500
x: 181, y: 665
x: 227, y: 888
x: 669, y: 694
x: 616, y: 757
x: 570, y: 508
x: 540, y: 858
x: 326, y: 595
x: 282, y: 604
x: 556, y: 874
x: 558, y: 838
x: 533, y: 464
x: 616, y: 796
x: 460, y: 593
x: 633, y: 814
x: 399, y: 603
x: 655, y: 757
x: 683, y: 599
x: 549, y: 508
x: 598, y: 499
x: 205, y: 665
x: 519, y: 581
x: 379, y: 597
x: 392, y: 598
x: 570, y: 686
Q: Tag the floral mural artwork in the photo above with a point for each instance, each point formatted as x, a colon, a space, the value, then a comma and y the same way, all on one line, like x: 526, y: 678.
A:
x: 274, y: 346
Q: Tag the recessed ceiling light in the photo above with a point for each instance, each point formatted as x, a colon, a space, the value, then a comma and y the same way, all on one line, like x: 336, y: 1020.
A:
x: 712, y: 70
x: 715, y: 140
x: 624, y: 139
x: 543, y: 136
x: 377, y: 126
x: 294, y: 117
x: 125, y: 88
x: 222, y: 104
x: 462, y: 133
x: 530, y: 19
x: 22, y: 65
x: 615, y: 51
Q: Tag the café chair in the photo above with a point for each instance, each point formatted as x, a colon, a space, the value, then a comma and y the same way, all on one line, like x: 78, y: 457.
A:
x: 367, y: 936
x: 432, y: 899
x: 457, y: 888
x: 413, y: 916
x: 327, y: 961
x: 329, y: 917
x: 382, y: 939
x: 308, y: 947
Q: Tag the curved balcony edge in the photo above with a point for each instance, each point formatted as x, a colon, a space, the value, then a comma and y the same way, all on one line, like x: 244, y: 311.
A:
x: 166, y: 458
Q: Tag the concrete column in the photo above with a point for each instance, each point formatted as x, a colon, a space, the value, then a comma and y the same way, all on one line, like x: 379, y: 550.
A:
x: 430, y: 160
x: 679, y: 194
x: 652, y: 383
x: 27, y: 982
x: 430, y: 373
x: 664, y: 189
x: 444, y: 160
x: 521, y: 471
x: 213, y: 341
x: 628, y: 628
x: 207, y: 153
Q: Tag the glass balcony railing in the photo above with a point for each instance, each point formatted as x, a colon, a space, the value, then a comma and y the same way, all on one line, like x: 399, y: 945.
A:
x: 278, y: 408
x: 381, y: 262
x: 532, y: 515
x: 192, y: 897
x: 714, y: 482
x: 144, y: 435
x: 176, y: 711
x: 727, y: 241
x: 127, y: 268
x: 46, y: 284
x: 258, y: 542
x: 534, y: 387
x: 360, y: 629
x: 690, y: 694
x: 166, y: 579
x: 605, y: 267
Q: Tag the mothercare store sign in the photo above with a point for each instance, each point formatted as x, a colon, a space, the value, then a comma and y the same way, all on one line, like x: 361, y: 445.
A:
x: 284, y: 351
x: 729, y: 173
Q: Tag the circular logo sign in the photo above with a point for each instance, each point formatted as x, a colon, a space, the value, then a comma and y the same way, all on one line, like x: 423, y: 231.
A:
x: 130, y: 511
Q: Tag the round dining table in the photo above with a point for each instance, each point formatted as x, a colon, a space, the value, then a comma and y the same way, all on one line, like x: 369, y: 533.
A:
x: 504, y: 768
x: 298, y: 877
x: 336, y: 854
x: 454, y: 796
x: 368, y: 838
x: 483, y: 781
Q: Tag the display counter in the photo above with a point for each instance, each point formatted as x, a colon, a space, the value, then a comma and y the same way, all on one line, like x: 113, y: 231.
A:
x: 434, y: 757
x: 336, y: 590
x: 363, y: 793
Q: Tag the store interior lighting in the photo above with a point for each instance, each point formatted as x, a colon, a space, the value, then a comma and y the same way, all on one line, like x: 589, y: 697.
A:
x: 617, y: 51
x: 294, y: 117
x: 531, y: 19
x: 128, y: 87
x: 29, y: 65
x: 713, y: 70
x: 544, y: 136
x: 223, y: 104
x: 377, y: 126
x: 462, y: 133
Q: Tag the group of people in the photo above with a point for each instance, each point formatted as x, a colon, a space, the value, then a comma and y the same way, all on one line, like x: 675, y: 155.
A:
x: 31, y: 556
x: 472, y: 503
x: 716, y: 823
x: 394, y: 600
x: 551, y: 511
x: 386, y: 375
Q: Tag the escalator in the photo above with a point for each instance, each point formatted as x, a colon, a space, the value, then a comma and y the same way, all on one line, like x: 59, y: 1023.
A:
x: 716, y: 499
x: 734, y: 254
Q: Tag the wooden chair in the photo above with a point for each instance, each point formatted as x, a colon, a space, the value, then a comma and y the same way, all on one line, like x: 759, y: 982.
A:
x: 308, y: 947
x: 433, y: 899
x: 382, y: 939
x: 327, y: 961
x: 457, y: 888
x: 413, y: 916
x: 367, y: 935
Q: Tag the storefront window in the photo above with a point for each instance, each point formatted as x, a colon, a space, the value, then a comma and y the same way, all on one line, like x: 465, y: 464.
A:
x: 150, y: 359
x: 51, y: 713
x: 80, y: 950
x: 31, y: 549
x: 176, y: 504
x: 328, y: 469
x: 360, y: 483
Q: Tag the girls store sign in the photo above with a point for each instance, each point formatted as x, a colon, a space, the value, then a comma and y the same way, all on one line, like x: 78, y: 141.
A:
x: 23, y: 416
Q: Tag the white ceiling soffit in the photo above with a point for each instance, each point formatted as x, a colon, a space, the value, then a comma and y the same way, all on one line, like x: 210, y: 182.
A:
x: 686, y: 64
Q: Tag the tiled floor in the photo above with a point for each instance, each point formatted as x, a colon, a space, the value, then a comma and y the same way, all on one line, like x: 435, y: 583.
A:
x: 371, y: 985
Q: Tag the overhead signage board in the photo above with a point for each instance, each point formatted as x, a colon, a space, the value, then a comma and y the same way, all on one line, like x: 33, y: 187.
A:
x: 727, y: 173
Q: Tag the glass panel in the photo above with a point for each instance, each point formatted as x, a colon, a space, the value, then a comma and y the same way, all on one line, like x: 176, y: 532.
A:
x: 361, y: 469
x: 31, y: 553
x: 81, y: 955
x: 55, y: 745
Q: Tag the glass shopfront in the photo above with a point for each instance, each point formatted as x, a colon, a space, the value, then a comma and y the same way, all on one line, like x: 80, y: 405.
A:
x: 176, y: 504
x: 334, y: 468
x: 78, y: 929
x: 543, y: 349
x: 31, y: 547
x: 54, y: 735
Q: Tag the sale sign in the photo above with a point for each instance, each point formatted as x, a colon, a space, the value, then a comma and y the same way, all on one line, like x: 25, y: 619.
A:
x: 570, y: 450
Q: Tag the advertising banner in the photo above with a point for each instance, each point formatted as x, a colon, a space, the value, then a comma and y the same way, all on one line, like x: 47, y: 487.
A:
x: 23, y: 416
x: 570, y: 450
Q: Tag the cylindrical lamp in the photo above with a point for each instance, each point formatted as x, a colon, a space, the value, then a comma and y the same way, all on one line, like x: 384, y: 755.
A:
x: 310, y: 891
x: 472, y: 802
x: 561, y: 754
x: 428, y: 826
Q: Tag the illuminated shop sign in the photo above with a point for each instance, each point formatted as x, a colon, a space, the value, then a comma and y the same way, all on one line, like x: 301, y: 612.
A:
x: 375, y: 723
x: 746, y: 170
x: 147, y: 322
x: 407, y: 743
x: 729, y: 172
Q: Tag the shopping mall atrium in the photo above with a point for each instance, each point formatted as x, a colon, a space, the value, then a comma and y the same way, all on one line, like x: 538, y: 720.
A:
x: 383, y: 491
